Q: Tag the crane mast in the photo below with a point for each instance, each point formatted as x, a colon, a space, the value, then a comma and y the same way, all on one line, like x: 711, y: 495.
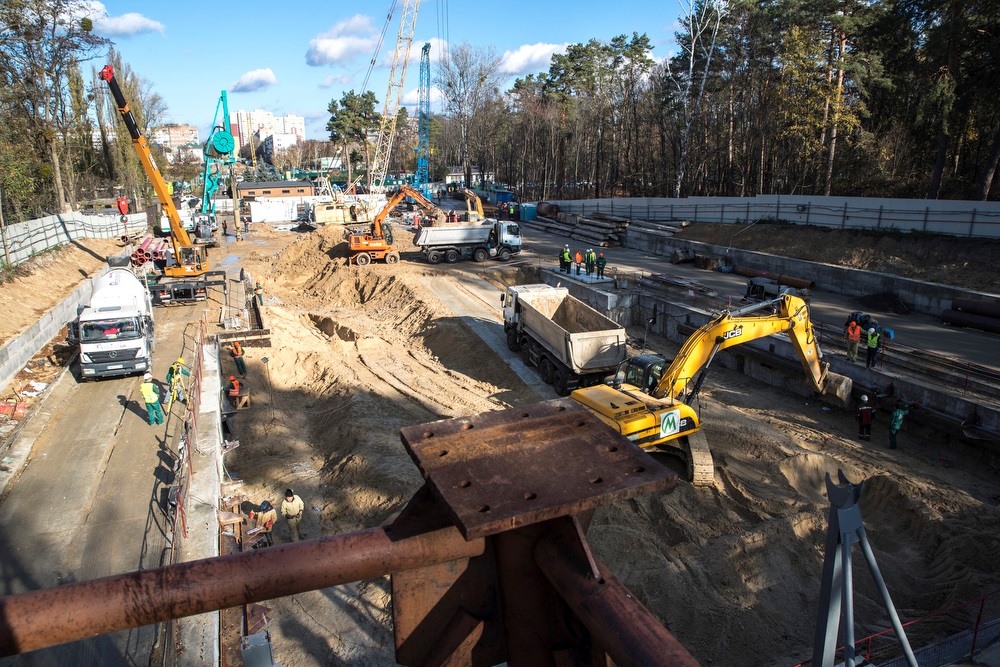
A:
x: 424, y: 126
x: 393, y: 97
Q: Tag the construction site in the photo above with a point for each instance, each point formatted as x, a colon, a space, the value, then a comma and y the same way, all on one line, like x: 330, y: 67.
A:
x: 442, y: 426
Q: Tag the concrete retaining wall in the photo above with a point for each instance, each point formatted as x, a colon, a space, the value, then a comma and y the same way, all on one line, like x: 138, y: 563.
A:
x: 25, y: 239
x: 18, y: 350
x: 955, y: 218
x: 921, y: 297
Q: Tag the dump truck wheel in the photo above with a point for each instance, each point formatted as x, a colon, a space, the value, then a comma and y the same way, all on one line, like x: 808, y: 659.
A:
x: 526, y: 354
x: 512, y: 343
x: 363, y: 259
x: 481, y: 255
x: 548, y: 370
x: 392, y: 258
x: 434, y: 257
x: 451, y: 256
x: 560, y: 381
x: 504, y: 255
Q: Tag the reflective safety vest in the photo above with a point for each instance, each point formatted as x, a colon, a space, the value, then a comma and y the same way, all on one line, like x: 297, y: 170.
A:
x: 566, y: 256
x: 854, y: 333
x: 237, y: 351
x: 235, y: 391
x: 148, y: 391
x: 872, y: 340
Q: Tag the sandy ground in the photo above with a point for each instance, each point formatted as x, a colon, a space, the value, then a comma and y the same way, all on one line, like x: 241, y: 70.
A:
x: 733, y: 570
x: 358, y: 354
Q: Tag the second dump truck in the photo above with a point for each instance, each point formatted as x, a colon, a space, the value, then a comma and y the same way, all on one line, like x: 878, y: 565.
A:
x: 570, y: 343
x: 495, y: 238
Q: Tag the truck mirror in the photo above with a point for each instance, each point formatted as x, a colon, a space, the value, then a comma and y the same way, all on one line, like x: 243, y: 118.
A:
x: 503, y: 298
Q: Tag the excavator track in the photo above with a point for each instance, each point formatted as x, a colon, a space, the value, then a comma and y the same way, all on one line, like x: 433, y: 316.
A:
x: 701, y: 468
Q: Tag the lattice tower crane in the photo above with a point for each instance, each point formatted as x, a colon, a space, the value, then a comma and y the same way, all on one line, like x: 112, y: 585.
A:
x: 424, y: 126
x: 393, y: 96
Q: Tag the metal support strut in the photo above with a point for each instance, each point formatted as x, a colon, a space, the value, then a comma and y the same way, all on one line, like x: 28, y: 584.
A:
x: 837, y: 588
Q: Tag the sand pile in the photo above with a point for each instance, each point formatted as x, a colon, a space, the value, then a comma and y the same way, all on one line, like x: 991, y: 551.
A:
x: 733, y: 569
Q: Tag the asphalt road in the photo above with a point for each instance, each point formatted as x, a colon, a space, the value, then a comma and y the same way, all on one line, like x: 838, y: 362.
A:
x: 89, y: 501
x: 913, y: 330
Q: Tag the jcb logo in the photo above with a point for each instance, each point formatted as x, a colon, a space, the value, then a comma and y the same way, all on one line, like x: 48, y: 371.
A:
x: 738, y: 331
x: 670, y: 423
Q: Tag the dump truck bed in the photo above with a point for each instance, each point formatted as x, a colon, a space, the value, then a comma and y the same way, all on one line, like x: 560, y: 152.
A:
x: 584, y: 339
x: 445, y: 236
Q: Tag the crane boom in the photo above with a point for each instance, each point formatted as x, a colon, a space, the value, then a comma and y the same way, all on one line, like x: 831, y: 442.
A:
x: 191, y: 260
x: 424, y: 123
x: 393, y: 97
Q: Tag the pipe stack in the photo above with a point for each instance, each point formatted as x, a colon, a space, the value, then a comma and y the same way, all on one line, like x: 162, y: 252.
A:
x: 975, y: 313
x: 142, y: 254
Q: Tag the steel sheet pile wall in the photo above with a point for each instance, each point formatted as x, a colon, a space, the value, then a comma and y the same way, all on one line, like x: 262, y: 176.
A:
x: 25, y: 239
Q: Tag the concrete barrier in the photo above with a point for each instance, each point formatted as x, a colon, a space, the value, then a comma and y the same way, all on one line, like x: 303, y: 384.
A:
x: 31, y: 237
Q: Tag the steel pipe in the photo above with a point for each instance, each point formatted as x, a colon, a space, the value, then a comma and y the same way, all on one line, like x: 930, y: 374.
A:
x: 976, y: 306
x: 38, y: 619
x: 617, y: 621
x: 145, y: 243
x: 964, y: 319
x: 780, y: 278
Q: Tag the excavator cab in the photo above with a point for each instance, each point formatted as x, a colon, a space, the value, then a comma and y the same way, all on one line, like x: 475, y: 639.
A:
x: 642, y: 372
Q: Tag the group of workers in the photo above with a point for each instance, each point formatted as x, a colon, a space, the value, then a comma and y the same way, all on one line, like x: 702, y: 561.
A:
x: 593, y: 262
x: 873, y: 341
x: 866, y: 415
x: 150, y: 391
x: 265, y: 516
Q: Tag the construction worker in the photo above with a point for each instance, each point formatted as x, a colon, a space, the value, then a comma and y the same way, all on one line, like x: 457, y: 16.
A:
x: 853, y: 340
x: 896, y: 421
x: 232, y: 389
x: 872, y: 348
x: 579, y: 261
x: 174, y: 378
x: 151, y: 397
x: 259, y: 293
x: 591, y: 260
x: 264, y: 521
x: 291, y: 508
x: 600, y: 263
x: 567, y: 261
x: 237, y: 353
x: 866, y: 412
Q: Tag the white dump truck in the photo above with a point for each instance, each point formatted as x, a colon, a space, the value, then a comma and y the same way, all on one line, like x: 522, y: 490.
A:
x: 493, y: 238
x: 115, y: 329
x: 570, y: 343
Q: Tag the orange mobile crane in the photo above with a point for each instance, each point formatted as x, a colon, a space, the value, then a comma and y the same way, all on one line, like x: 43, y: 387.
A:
x: 187, y: 276
x: 378, y: 243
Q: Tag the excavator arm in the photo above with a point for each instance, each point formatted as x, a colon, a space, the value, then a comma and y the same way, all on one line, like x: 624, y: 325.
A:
x: 473, y: 203
x: 789, y: 315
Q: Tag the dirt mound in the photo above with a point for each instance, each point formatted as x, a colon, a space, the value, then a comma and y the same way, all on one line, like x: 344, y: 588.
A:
x: 962, y: 262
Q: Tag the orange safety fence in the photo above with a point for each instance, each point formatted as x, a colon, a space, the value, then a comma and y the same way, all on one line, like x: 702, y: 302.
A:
x: 947, y: 636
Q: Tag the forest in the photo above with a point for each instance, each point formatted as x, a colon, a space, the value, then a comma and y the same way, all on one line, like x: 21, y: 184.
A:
x: 890, y: 98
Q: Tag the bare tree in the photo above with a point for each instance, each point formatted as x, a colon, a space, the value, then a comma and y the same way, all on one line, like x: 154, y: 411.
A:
x: 469, y: 77
x: 690, y: 70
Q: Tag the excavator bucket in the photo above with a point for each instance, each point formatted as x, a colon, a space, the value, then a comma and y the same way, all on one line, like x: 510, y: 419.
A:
x: 838, y: 387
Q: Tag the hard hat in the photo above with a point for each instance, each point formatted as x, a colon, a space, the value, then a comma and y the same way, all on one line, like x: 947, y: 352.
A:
x: 180, y: 360
x: 147, y: 376
x: 232, y: 377
x: 265, y: 505
x: 601, y: 254
x: 872, y: 330
x: 853, y: 323
x: 864, y: 399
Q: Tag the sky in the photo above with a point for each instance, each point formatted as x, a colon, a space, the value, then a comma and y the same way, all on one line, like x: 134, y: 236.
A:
x: 294, y: 58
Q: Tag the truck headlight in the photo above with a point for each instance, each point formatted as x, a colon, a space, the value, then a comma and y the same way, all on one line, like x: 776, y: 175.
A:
x: 140, y: 353
x: 84, y: 358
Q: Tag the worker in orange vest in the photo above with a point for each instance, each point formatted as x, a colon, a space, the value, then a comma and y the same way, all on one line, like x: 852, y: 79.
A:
x: 237, y: 353
x: 232, y: 389
x: 579, y: 261
x: 853, y: 340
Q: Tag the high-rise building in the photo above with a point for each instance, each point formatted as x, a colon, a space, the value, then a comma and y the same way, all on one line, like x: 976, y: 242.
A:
x: 174, y: 135
x: 260, y: 125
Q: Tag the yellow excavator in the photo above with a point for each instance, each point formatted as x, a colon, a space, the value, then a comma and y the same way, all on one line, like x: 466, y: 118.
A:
x: 473, y: 205
x: 650, y: 399
x: 377, y: 242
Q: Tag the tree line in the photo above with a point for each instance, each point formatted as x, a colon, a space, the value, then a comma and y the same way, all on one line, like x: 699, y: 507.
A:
x: 888, y: 98
x: 892, y: 98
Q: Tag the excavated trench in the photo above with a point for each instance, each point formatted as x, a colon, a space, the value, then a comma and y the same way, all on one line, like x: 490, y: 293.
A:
x: 358, y: 354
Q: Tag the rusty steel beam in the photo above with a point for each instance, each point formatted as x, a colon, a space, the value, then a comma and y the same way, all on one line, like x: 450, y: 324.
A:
x: 39, y: 619
x: 617, y: 621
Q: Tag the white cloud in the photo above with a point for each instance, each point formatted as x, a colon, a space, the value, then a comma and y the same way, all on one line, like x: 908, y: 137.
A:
x: 257, y: 79
x: 530, y: 58
x: 338, y: 79
x: 411, y: 98
x: 342, y: 43
x: 125, y: 25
